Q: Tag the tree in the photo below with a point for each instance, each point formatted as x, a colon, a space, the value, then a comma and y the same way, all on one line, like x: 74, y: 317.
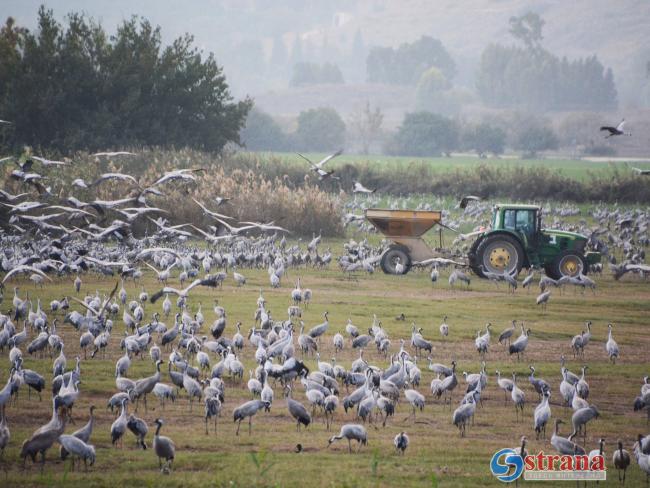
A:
x: 528, y: 29
x: 484, y: 138
x: 405, y: 65
x: 262, y: 133
x: 432, y: 91
x: 425, y: 134
x: 365, y: 124
x: 320, y: 129
x: 73, y: 87
x: 511, y: 77
x: 536, y: 138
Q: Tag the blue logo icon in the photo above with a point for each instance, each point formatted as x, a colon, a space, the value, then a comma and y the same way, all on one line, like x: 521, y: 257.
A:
x: 505, y: 461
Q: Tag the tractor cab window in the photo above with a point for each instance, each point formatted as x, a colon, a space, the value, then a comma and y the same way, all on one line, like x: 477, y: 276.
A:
x: 521, y: 220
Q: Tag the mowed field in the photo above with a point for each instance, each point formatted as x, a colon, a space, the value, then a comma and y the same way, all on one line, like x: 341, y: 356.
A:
x: 437, y: 455
x: 572, y: 168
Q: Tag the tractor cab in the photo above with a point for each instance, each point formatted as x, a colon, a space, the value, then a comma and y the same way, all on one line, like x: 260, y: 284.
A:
x: 524, y: 220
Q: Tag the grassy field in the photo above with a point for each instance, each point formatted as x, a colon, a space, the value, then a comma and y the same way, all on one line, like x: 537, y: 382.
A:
x: 573, y: 168
x: 437, y: 455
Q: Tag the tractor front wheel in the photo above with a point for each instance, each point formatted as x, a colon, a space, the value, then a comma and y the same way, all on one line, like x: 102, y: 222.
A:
x: 498, y: 254
x: 392, y: 257
x: 567, y: 263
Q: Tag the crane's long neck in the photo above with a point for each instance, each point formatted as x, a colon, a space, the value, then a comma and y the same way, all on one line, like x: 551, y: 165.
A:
x: 158, y: 429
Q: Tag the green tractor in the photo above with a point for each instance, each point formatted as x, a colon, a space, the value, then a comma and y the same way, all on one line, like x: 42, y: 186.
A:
x: 516, y: 239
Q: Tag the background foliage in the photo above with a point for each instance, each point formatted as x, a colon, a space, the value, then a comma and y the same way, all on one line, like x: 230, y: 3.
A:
x: 73, y: 86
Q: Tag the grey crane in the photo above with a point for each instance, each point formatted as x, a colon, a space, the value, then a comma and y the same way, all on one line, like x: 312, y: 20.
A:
x: 401, y: 442
x: 449, y: 383
x: 542, y: 415
x: 192, y: 387
x: 83, y: 434
x: 77, y: 448
x: 416, y: 399
x: 519, y: 346
x: 571, y: 377
x: 330, y: 404
x: 507, y: 333
x: 361, y: 341
x: 457, y: 275
x: 320, y: 329
x: 621, y: 460
x: 419, y: 342
x: 248, y: 409
x: 43, y: 439
x: 463, y: 414
x: 144, y: 386
x: 351, y: 329
x: 505, y: 384
x: 297, y: 410
x: 611, y: 346
x: 518, y: 397
x: 351, y: 432
x: 562, y: 444
x: 5, y: 434
x: 119, y: 425
x: 643, y: 460
x: 597, y: 452
x: 305, y: 341
x: 212, y: 410
x: 581, y: 417
x: 444, y: 327
x: 538, y: 384
x: 521, y: 448
x: 543, y: 299
x: 139, y: 428
x: 582, y: 387
x: 163, y: 446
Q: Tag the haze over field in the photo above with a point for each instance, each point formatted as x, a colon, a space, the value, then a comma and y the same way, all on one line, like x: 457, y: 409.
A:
x: 572, y: 66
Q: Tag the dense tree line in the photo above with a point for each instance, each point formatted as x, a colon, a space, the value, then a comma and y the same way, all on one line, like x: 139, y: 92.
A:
x: 421, y: 134
x: 532, y: 78
x: 313, y: 74
x: 406, y: 64
x: 75, y: 87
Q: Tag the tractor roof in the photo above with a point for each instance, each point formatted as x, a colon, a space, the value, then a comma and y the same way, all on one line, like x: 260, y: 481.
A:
x: 514, y: 206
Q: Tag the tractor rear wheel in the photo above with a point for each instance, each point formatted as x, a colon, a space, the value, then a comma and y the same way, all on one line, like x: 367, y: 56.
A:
x: 567, y: 263
x: 499, y: 253
x: 393, y: 256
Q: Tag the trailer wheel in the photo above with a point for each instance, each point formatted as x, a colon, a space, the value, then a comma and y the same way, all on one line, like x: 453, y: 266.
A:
x: 567, y: 263
x: 391, y: 257
x: 499, y: 254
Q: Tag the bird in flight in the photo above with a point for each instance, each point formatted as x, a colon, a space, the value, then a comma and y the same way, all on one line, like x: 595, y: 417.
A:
x: 49, y: 162
x: 110, y: 154
x: 359, y: 188
x: 465, y: 200
x: 615, y: 131
x: 318, y: 167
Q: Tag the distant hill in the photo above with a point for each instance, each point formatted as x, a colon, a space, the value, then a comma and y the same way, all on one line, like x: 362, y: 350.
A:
x: 617, y: 31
